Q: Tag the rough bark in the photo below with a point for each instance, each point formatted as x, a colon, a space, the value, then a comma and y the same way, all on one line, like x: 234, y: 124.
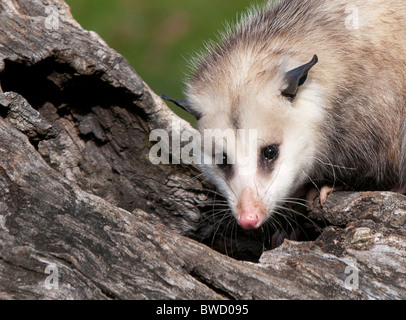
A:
x: 79, y: 193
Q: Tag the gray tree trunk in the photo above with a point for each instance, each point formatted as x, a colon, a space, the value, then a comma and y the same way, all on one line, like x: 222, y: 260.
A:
x: 84, y: 214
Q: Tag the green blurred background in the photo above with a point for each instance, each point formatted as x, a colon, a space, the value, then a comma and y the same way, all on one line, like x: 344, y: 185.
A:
x: 158, y: 36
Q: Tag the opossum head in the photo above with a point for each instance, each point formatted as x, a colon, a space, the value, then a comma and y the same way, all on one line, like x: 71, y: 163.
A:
x: 264, y: 142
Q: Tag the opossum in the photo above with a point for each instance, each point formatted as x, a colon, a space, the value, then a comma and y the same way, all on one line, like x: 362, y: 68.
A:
x: 323, y: 83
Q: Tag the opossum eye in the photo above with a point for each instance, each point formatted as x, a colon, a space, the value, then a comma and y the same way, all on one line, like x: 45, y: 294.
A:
x: 222, y: 162
x: 270, y: 153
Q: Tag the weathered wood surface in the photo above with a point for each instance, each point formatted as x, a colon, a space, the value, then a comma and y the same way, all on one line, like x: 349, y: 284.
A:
x: 79, y: 193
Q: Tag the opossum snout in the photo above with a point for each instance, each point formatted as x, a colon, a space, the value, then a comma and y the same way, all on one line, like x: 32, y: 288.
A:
x: 249, y: 221
x: 249, y: 211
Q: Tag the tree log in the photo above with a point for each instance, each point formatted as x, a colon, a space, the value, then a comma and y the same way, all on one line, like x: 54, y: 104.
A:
x: 84, y: 214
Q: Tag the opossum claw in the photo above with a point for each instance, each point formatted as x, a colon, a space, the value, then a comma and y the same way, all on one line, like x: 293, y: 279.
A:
x: 323, y: 193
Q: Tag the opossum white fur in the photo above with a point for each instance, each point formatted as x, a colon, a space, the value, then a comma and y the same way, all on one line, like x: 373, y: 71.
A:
x: 346, y: 124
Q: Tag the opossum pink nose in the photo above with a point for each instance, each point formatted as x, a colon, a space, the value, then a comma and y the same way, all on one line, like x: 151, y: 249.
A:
x: 249, y: 211
x: 250, y: 221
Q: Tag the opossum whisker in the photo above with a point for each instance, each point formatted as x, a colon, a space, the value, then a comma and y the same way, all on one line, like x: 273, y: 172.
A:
x: 231, y: 222
x: 196, y: 177
x: 265, y: 234
x: 229, y: 186
x: 215, y: 212
x: 296, y: 201
x: 234, y: 230
x: 256, y: 187
x: 213, y: 200
x: 333, y: 165
x: 216, y: 201
x: 286, y: 217
x: 271, y: 228
x: 219, y: 223
x: 212, y: 207
x: 329, y: 165
x: 311, y: 181
x: 292, y: 227
x: 299, y: 214
x: 271, y: 182
x: 274, y: 223
x: 217, y: 205
x: 278, y: 212
x: 213, y: 192
x: 277, y: 228
x: 215, y: 220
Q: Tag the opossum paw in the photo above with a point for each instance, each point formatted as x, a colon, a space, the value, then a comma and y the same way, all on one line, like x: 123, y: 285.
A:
x: 323, y: 193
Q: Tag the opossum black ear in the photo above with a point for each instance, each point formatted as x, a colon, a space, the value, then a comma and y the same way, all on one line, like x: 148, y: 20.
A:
x: 184, y: 104
x: 297, y: 77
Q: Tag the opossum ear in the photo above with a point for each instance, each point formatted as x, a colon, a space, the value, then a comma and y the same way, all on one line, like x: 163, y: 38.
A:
x: 297, y: 77
x: 184, y: 104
